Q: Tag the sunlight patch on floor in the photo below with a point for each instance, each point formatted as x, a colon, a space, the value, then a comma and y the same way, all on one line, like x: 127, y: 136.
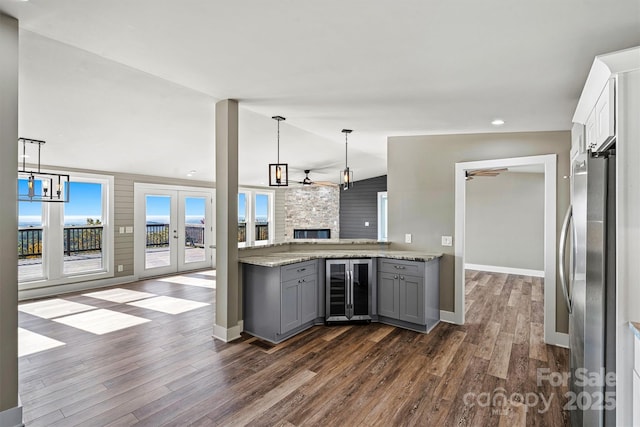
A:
x: 168, y: 305
x: 31, y: 342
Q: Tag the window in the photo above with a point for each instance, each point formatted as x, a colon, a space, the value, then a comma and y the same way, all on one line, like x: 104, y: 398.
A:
x: 254, y: 217
x: 262, y: 223
x: 31, y: 227
x: 82, y: 228
x: 242, y: 219
x: 58, y: 242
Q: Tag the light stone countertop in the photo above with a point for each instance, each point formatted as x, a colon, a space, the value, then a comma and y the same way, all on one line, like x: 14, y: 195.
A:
x: 635, y: 327
x: 277, y: 259
x: 318, y: 242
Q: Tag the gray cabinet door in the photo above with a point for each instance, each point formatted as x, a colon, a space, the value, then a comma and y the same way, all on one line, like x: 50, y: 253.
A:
x: 388, y: 293
x: 308, y: 299
x: 290, y: 306
x: 412, y: 299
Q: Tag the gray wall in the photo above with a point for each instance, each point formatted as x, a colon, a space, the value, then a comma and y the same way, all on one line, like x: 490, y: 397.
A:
x: 504, y: 224
x: 420, y: 183
x: 358, y: 205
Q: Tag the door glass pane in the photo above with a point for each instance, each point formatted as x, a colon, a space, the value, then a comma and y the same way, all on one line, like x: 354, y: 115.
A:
x: 242, y: 218
x: 337, y: 290
x: 30, y: 230
x: 360, y: 289
x: 194, y: 224
x: 82, y: 231
x: 158, y: 214
x: 262, y: 217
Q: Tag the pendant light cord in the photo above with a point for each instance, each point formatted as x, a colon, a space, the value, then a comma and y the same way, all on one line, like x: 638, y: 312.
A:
x: 346, y: 152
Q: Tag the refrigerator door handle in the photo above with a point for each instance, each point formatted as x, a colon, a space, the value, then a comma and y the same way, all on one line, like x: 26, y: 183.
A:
x: 564, y: 234
x: 351, y: 290
x: 346, y: 288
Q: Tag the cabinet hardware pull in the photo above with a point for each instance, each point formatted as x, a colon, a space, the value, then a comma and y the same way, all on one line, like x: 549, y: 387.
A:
x: 401, y: 277
x: 301, y: 269
x: 395, y: 277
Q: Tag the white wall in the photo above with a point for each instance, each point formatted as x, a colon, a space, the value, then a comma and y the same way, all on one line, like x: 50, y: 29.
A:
x: 504, y: 225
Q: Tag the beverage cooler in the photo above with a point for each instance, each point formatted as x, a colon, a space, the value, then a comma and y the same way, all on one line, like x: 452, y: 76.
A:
x: 349, y: 290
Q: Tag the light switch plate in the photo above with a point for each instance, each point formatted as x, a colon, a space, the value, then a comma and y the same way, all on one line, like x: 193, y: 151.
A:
x: 366, y: 223
x: 407, y: 238
x: 120, y: 268
x: 121, y: 230
x: 447, y: 241
x: 129, y: 229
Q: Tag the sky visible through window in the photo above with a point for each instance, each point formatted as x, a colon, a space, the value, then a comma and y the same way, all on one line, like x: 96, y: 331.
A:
x: 261, y: 206
x: 242, y: 207
x: 159, y: 209
x: 85, y: 201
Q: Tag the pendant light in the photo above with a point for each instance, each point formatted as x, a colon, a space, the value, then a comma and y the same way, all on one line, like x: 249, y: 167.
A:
x: 54, y: 187
x: 346, y: 176
x: 278, y: 172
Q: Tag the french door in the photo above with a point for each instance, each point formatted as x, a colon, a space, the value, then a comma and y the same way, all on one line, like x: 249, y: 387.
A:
x: 173, y: 229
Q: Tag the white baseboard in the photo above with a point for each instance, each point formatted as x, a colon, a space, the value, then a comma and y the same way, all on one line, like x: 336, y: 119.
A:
x: 11, y: 417
x: 227, y: 335
x: 558, y: 339
x: 507, y: 270
x: 450, y: 317
x: 47, y: 291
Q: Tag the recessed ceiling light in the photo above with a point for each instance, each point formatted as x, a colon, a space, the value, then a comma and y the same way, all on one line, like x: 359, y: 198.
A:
x: 497, y: 122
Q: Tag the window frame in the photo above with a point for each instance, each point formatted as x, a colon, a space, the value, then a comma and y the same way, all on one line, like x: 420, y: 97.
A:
x: 250, y: 216
x: 53, y: 244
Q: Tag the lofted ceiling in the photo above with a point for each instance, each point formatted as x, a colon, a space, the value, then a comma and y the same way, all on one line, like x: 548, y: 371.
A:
x: 132, y: 85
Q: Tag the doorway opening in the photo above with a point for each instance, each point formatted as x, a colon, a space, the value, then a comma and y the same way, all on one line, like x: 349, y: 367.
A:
x: 549, y: 163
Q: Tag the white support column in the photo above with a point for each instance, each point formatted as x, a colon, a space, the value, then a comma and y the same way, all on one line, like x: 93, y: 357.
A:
x: 228, y: 324
x: 10, y: 409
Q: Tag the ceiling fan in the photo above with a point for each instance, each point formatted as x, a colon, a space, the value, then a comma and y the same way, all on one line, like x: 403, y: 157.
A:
x: 470, y: 174
x: 308, y: 182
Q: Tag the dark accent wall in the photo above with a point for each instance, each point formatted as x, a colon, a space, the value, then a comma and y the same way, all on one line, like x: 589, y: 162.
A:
x: 359, y: 205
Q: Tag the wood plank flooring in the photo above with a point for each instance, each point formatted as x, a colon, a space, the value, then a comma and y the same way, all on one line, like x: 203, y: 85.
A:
x: 170, y: 371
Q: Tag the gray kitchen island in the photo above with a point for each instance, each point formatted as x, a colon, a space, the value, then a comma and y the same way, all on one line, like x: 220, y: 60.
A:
x: 285, y: 291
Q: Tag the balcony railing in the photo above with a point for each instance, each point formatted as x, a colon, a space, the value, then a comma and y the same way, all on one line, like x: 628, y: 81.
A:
x: 242, y: 232
x: 76, y: 240
x: 262, y: 231
x: 29, y: 242
x: 158, y: 235
x: 86, y: 238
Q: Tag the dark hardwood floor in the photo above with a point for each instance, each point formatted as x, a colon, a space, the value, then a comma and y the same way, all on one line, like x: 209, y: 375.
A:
x: 170, y: 371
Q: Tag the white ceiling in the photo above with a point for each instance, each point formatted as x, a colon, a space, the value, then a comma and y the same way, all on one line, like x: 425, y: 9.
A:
x: 134, y: 83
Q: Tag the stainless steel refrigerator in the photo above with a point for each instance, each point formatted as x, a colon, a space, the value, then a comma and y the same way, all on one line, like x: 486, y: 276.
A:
x: 587, y: 246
